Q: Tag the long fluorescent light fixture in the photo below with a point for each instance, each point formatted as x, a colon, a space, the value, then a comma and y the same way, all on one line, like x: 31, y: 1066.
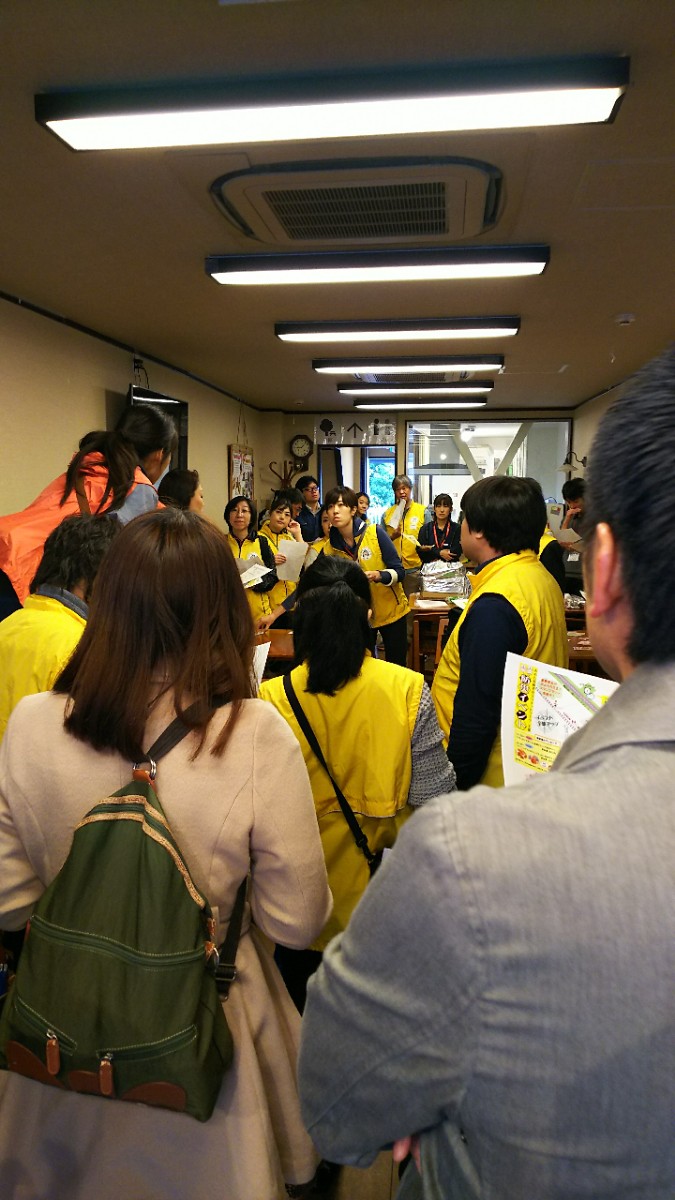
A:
x: 419, y: 406
x: 436, y: 99
x: 408, y: 366
x: 379, y: 266
x: 474, y: 387
x: 431, y: 329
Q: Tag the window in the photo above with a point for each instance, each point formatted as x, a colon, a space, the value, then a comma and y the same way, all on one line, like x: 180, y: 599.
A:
x: 448, y: 456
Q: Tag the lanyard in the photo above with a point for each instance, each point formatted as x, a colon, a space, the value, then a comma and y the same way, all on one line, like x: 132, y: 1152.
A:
x: 353, y: 551
x: 444, y: 534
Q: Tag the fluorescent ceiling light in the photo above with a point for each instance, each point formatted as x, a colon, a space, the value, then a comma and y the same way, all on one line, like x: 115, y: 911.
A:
x: 475, y: 387
x: 421, y: 405
x: 422, y: 330
x: 379, y: 266
x: 408, y: 366
x: 438, y: 99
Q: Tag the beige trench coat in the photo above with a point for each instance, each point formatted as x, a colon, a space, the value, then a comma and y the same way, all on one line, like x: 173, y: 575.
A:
x: 252, y: 806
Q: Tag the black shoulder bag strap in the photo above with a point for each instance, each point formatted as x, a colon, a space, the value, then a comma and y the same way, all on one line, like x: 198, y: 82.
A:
x: 226, y: 971
x: 359, y: 836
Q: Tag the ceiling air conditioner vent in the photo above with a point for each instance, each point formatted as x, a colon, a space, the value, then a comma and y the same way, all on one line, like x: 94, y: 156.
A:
x: 403, y: 210
x: 435, y: 377
x: 361, y: 201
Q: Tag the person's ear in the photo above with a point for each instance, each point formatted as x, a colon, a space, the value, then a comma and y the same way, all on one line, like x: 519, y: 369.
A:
x: 603, y: 575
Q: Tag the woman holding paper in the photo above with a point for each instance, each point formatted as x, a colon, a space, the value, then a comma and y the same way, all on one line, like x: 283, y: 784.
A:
x: 280, y: 529
x: 241, y: 516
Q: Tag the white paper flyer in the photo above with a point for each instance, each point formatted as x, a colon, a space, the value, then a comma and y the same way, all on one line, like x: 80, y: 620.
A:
x: 541, y: 706
x: 295, y: 553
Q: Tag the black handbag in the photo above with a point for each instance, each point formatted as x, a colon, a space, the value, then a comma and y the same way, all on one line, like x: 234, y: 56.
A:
x: 271, y: 578
x: 372, y: 858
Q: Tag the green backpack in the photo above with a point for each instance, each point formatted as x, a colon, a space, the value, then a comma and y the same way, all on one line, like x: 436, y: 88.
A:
x: 117, y: 992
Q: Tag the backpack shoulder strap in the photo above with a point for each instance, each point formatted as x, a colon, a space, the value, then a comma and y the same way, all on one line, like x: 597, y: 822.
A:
x: 303, y: 721
x: 226, y: 971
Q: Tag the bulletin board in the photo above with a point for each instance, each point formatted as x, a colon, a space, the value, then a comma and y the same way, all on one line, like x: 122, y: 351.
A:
x: 241, y: 471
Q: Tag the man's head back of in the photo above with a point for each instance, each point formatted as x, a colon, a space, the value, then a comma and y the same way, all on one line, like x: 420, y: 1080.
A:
x: 73, y: 553
x: 503, y: 515
x: 629, y: 563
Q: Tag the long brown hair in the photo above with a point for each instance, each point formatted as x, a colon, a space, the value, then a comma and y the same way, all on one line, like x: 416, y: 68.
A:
x: 167, y: 608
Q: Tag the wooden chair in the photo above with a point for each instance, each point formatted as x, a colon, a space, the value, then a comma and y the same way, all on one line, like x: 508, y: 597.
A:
x: 442, y: 626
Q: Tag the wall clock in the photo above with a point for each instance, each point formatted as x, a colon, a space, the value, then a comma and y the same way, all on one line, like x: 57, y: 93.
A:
x: 301, y: 446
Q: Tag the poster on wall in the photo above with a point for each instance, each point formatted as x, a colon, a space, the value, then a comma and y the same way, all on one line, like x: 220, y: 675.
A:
x: 241, y: 471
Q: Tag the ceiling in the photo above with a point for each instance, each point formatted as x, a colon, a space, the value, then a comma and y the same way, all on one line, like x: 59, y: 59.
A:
x: 116, y: 241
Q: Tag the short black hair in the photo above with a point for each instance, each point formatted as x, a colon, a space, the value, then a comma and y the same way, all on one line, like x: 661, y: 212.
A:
x: 305, y: 480
x: 574, y: 489
x: 232, y: 504
x: 74, y: 551
x: 443, y: 498
x: 178, y: 487
x: 345, y: 494
x: 278, y: 503
x: 330, y: 625
x: 635, y: 446
x: 509, y: 512
x: 292, y: 494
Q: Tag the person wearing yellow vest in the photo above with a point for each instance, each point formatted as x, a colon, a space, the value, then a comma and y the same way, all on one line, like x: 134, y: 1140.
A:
x: 376, y: 727
x: 278, y: 528
x: 551, y: 557
x: 515, y: 605
x: 37, y: 640
x: 240, y: 515
x: 403, y: 522
x: 371, y: 547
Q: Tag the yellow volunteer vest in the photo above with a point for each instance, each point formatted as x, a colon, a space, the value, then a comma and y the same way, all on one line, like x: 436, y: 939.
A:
x: 411, y: 523
x: 259, y: 602
x: 534, y: 593
x: 283, y: 588
x: 388, y: 600
x: 545, y: 540
x: 364, y: 731
x: 35, y: 645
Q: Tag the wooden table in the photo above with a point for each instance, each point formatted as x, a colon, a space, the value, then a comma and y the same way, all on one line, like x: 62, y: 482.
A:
x: 280, y: 649
x: 575, y: 618
x: 582, y: 655
x: 425, y: 634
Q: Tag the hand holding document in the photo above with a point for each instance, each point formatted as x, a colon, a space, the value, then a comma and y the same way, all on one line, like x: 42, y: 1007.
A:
x: 541, y: 706
x: 568, y: 536
x: 251, y: 570
x: 397, y: 516
x: 295, y: 553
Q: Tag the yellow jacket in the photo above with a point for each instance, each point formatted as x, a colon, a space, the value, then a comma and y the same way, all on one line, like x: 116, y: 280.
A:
x: 364, y: 731
x: 285, y: 587
x: 535, y: 595
x: 259, y: 602
x: 36, y: 642
x: 409, y: 530
x: 388, y: 599
x: 545, y: 540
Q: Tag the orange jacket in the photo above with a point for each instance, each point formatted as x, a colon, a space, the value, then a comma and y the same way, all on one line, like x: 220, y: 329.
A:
x: 23, y: 534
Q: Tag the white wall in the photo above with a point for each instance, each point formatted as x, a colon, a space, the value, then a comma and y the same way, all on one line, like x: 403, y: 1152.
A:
x: 57, y: 384
x: 587, y: 419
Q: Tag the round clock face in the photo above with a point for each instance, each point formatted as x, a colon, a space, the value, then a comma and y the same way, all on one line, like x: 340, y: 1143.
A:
x: 301, y: 446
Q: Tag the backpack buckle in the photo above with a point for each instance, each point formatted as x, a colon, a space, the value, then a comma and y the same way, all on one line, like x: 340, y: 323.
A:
x: 141, y: 774
x: 225, y: 975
